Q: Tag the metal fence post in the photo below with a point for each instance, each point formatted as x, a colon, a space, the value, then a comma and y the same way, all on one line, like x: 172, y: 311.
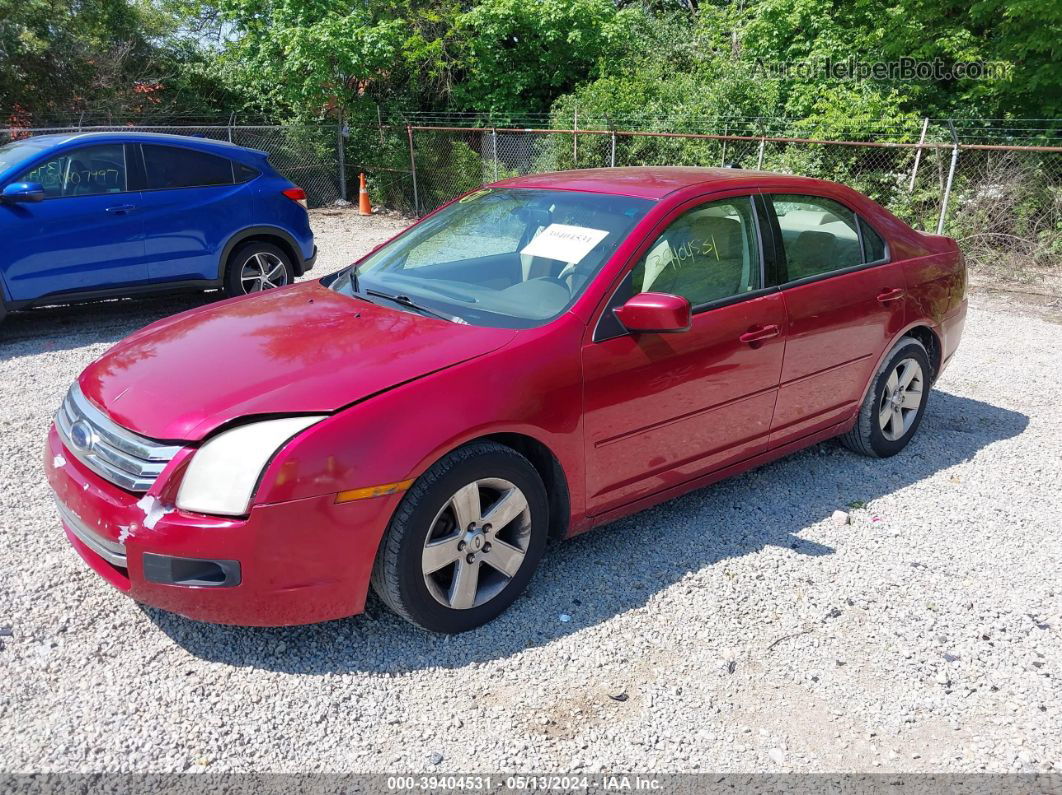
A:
x: 918, y: 154
x: 951, y: 177
x: 612, y: 157
x: 413, y: 171
x: 232, y: 118
x: 494, y: 141
x: 722, y: 158
x: 575, y: 137
x: 759, y: 160
x: 341, y: 153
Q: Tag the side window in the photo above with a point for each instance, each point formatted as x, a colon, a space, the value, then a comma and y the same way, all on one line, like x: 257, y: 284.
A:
x: 91, y: 171
x: 873, y: 245
x: 819, y: 235
x: 243, y: 173
x: 706, y: 254
x: 172, y: 167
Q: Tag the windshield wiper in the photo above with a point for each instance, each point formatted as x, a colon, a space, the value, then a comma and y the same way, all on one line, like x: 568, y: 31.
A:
x: 405, y: 300
x: 352, y: 278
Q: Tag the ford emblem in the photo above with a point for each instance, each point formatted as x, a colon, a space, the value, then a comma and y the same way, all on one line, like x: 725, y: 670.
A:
x: 82, y: 437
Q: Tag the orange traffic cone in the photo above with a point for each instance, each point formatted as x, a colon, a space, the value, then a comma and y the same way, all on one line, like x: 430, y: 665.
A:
x: 364, y: 207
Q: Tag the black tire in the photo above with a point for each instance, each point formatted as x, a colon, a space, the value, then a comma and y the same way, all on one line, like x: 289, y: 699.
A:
x: 868, y: 437
x: 398, y: 576
x: 243, y: 254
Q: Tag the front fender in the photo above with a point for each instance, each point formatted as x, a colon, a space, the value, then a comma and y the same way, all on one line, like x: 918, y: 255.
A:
x: 531, y: 387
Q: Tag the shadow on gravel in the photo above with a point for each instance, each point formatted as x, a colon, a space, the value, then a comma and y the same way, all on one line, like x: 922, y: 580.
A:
x: 57, y: 328
x: 620, y: 567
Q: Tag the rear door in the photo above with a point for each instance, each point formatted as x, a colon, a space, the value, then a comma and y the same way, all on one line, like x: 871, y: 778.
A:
x: 192, y: 205
x: 844, y: 301
x: 86, y: 235
x: 661, y: 409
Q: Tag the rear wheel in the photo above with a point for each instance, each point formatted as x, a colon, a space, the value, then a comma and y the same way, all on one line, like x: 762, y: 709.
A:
x: 465, y: 539
x: 895, y: 403
x: 256, y: 266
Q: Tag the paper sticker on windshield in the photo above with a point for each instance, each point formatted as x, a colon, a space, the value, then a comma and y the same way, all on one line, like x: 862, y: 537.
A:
x: 564, y: 243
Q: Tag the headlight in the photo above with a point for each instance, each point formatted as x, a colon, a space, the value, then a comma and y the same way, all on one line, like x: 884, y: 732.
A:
x: 225, y: 470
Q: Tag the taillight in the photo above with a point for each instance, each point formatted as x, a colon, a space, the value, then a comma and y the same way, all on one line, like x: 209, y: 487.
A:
x: 296, y: 195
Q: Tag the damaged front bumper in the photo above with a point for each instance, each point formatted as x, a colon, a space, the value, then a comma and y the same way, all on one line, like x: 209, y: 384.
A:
x: 295, y: 562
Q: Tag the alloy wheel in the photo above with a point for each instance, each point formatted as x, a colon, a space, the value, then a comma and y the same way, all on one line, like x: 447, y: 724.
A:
x: 263, y: 271
x: 477, y: 543
x: 901, y: 399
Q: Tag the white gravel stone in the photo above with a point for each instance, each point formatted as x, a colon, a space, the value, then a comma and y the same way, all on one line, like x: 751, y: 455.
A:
x: 724, y: 616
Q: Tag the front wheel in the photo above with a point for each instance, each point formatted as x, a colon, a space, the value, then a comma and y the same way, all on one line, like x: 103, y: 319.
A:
x: 895, y: 403
x: 465, y: 539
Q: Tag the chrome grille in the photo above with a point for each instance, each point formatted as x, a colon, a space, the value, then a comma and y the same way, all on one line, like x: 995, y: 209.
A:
x: 111, y: 551
x: 124, y: 458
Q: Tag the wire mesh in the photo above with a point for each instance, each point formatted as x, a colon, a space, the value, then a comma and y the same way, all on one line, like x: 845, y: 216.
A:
x: 1005, y: 202
x: 1004, y: 206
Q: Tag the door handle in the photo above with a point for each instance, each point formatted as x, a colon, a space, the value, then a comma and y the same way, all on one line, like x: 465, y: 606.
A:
x: 121, y: 209
x: 760, y: 333
x: 894, y: 294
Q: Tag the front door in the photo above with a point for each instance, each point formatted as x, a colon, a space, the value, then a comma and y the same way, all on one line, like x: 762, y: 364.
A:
x: 86, y: 235
x: 661, y: 409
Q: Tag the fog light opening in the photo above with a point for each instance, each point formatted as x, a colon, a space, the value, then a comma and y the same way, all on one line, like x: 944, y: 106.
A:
x: 191, y: 572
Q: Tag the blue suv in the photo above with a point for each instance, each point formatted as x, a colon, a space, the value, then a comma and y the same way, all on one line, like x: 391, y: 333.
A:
x: 94, y: 215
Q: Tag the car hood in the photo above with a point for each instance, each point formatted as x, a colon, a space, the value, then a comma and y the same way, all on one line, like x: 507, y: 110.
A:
x: 300, y: 349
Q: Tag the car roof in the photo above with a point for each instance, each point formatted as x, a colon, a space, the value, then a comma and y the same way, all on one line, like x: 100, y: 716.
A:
x: 134, y: 136
x: 650, y: 182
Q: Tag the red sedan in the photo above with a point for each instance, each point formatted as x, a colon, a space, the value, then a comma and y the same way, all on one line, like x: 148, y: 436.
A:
x: 536, y: 358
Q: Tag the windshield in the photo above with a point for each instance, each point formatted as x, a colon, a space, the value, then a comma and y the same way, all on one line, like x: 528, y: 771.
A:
x: 13, y: 153
x: 504, y: 257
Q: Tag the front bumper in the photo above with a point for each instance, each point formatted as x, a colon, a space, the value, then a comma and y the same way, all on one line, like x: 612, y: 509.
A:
x: 299, y: 562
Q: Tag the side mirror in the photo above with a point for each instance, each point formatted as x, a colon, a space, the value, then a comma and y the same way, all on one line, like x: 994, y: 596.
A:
x: 23, y: 192
x: 656, y: 312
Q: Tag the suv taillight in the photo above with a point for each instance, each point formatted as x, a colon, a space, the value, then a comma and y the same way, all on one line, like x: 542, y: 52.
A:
x: 296, y: 195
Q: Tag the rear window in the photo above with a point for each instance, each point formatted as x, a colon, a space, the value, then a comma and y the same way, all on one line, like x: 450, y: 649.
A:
x: 173, y: 167
x: 819, y: 235
x: 243, y: 173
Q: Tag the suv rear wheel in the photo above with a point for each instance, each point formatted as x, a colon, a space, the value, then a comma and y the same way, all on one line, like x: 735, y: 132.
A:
x: 256, y: 266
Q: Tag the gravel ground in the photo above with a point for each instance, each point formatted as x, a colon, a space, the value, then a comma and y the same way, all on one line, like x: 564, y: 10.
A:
x: 739, y: 628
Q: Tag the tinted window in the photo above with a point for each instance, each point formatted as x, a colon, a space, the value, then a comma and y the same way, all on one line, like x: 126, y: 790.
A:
x: 91, y: 171
x: 172, y: 167
x: 819, y: 235
x: 243, y: 173
x: 705, y: 255
x: 873, y: 245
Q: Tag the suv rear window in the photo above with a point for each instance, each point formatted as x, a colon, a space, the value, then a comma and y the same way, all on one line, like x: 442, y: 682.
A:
x: 243, y: 173
x: 174, y: 167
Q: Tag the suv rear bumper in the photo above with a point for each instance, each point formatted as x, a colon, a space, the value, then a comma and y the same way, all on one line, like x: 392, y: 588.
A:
x: 308, y: 263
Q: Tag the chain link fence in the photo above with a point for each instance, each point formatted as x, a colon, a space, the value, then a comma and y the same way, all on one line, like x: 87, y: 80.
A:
x: 308, y: 155
x: 1002, y: 201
